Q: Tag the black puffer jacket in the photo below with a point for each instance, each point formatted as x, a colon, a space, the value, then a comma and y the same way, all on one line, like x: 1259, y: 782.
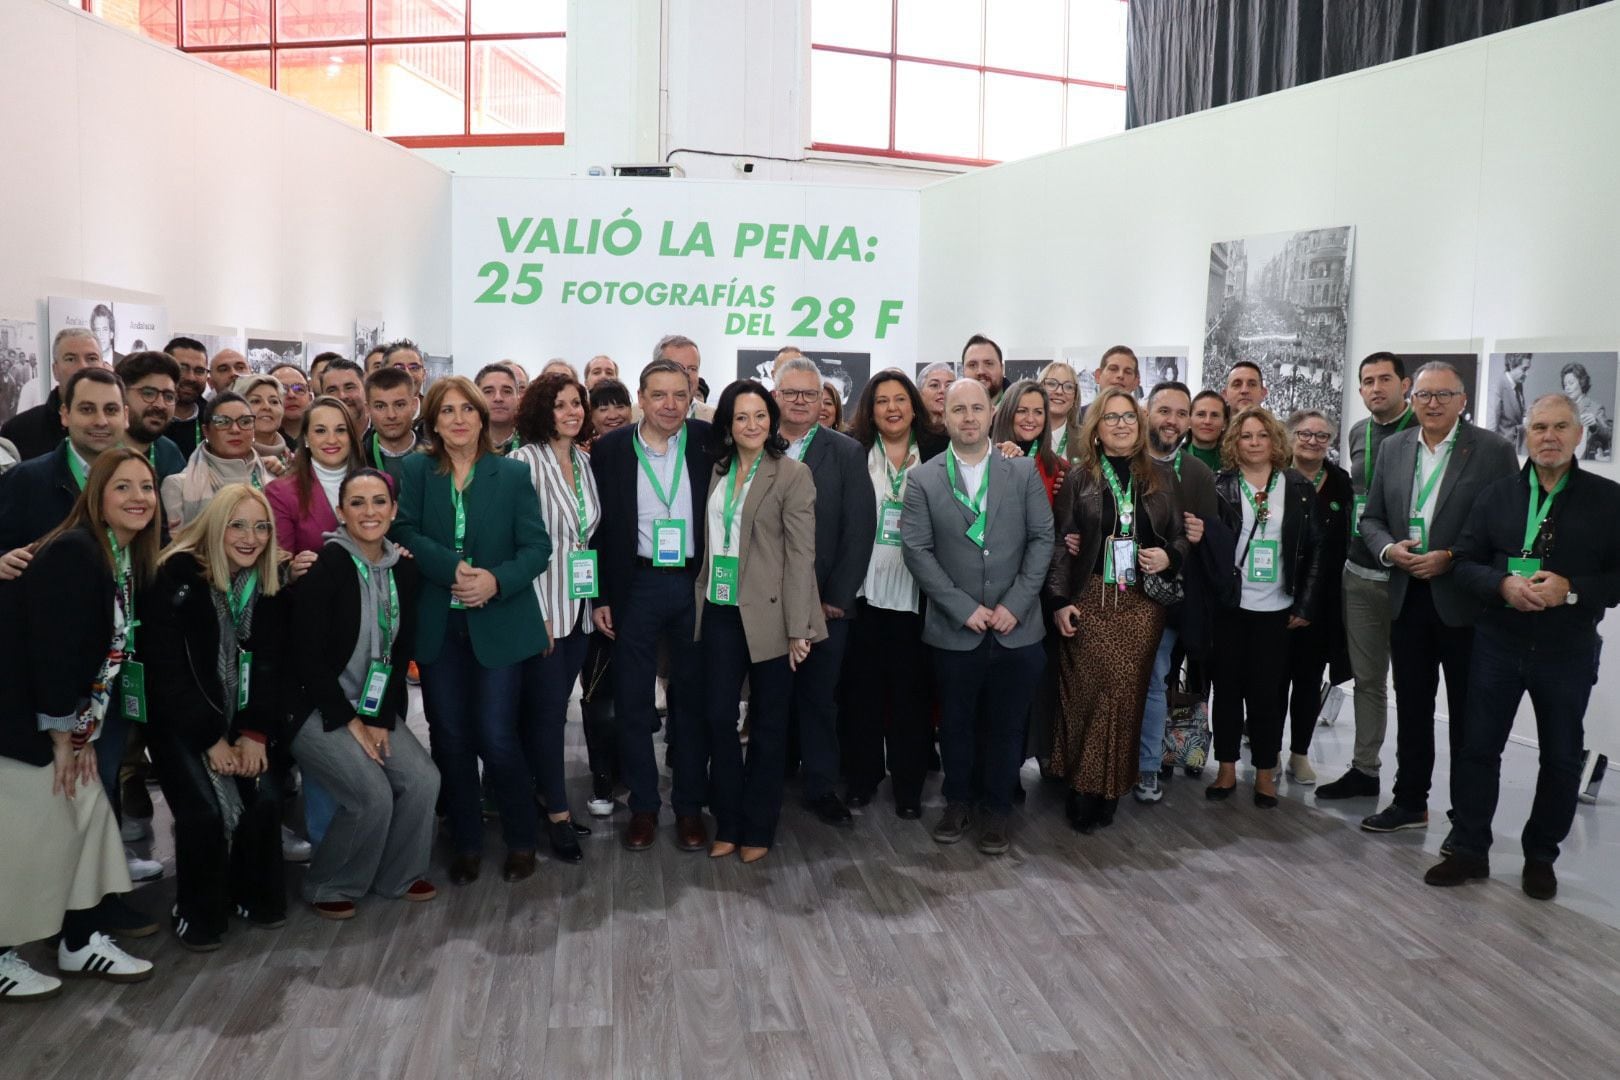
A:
x: 1302, y: 548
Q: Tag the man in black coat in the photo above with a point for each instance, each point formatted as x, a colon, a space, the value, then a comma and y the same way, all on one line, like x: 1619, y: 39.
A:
x: 846, y: 525
x: 36, y: 432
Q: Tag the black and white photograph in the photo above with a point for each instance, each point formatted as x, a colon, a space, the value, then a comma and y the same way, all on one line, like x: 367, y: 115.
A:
x: 1282, y: 301
x: 120, y: 327
x: 213, y: 343
x: 22, y: 376
x: 139, y: 327
x: 847, y: 371
x: 314, y: 346
x: 263, y: 354
x: 1467, y: 365
x: 1026, y: 362
x: 437, y: 368
x: 1154, y: 370
x: 368, y: 334
x: 1588, y: 378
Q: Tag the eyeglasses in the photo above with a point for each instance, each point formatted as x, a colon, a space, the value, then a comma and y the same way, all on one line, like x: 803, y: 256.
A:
x: 1053, y: 386
x: 803, y: 397
x: 1423, y: 397
x: 260, y: 529
x: 224, y: 423
x: 409, y: 366
x: 295, y: 388
x: 150, y: 394
x: 1117, y: 418
x: 1313, y: 436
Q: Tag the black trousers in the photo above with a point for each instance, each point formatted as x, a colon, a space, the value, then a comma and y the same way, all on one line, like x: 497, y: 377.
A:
x: 1250, y: 677
x: 886, y: 696
x: 1420, y: 648
x: 815, y: 710
x: 1302, y: 692
x: 596, y: 707
x: 212, y: 875
x: 745, y: 794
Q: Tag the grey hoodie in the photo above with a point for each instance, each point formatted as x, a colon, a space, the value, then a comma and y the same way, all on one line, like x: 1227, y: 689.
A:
x: 373, y: 595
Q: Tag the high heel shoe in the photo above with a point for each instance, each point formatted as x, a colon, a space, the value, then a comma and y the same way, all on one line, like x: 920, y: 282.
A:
x: 754, y: 854
x: 1218, y: 794
x: 722, y: 849
x: 1264, y: 801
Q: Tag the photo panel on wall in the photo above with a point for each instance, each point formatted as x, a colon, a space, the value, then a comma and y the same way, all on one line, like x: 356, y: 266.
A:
x: 120, y: 327
x: 23, y: 372
x: 267, y: 351
x: 846, y: 372
x: 1517, y: 379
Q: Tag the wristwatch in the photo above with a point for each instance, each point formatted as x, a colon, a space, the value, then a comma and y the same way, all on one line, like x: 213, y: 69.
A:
x: 1572, y: 597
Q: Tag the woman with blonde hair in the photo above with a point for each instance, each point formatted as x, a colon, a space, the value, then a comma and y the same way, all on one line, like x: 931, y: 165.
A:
x: 1062, y: 388
x: 217, y: 625
x: 263, y: 395
x: 1279, y: 554
x: 1121, y: 505
x: 67, y: 642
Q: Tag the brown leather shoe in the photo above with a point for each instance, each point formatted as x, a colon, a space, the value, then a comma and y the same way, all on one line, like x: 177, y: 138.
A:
x: 638, y: 835
x: 690, y: 833
x: 519, y: 865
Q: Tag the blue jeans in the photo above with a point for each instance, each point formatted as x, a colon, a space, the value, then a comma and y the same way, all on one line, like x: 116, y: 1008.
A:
x: 660, y: 603
x: 997, y: 684
x: 1559, y: 683
x: 1156, y: 709
x: 746, y: 797
x: 547, y: 683
x: 320, y: 807
x: 472, y: 713
x: 815, y: 710
x: 109, y: 745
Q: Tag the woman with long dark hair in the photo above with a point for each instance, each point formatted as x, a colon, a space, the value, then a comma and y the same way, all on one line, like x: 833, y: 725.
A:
x: 1022, y: 427
x: 888, y: 679
x: 304, y: 500
x: 758, y: 611
x: 67, y: 642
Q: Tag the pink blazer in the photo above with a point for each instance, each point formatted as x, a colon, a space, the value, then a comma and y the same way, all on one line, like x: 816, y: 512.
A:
x: 297, y: 532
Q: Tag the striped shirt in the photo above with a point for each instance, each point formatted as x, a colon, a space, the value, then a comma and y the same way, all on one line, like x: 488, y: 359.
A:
x: 560, y: 511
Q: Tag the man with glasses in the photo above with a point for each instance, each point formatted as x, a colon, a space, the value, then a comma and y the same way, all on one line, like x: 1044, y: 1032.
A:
x: 1427, y: 480
x: 295, y: 398
x: 185, y: 426
x: 36, y: 432
x: 150, y: 391
x: 405, y: 354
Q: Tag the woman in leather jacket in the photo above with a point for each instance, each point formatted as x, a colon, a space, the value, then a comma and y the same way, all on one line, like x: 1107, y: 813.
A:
x: 1279, y: 552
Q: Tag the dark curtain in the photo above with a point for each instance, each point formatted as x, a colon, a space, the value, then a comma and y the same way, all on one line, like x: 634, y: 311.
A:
x: 1187, y: 55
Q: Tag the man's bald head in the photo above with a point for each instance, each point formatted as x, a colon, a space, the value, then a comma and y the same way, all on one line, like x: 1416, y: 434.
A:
x: 225, y: 368
x: 967, y: 415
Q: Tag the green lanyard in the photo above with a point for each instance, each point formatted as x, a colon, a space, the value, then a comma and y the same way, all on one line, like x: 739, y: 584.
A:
x: 1034, y: 449
x: 1262, y: 512
x: 652, y: 476
x: 1176, y: 462
x: 74, y: 466
x: 513, y: 443
x: 1316, y: 481
x: 125, y: 592
x: 897, y: 479
x: 376, y: 451
x: 809, y: 437
x: 1124, y: 498
x: 1062, y: 446
x: 240, y: 598
x: 729, y: 506
x: 1427, y: 488
x: 458, y: 499
x: 1366, y: 451
x: 579, y: 494
x: 387, y: 616
x: 975, y: 505
x: 1538, y: 509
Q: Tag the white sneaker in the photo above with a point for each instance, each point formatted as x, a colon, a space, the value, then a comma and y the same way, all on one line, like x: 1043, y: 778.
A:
x: 135, y: 829
x: 20, y: 982
x: 600, y: 807
x: 101, y: 958
x: 140, y: 868
x: 294, y: 848
x: 1299, y: 767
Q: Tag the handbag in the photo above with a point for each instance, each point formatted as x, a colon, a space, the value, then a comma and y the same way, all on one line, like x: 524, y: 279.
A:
x: 1163, y: 590
x: 1186, y: 729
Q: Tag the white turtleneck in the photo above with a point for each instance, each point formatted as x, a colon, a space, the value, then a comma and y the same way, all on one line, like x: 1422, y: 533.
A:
x: 330, y: 480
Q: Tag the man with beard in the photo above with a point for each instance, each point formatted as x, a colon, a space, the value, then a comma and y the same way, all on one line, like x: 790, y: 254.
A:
x: 981, y: 362
x: 36, y: 432
x: 295, y: 398
x: 150, y: 382
x: 1190, y: 623
x: 185, y: 427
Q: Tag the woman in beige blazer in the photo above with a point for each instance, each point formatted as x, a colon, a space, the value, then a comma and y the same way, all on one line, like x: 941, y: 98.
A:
x: 758, y: 611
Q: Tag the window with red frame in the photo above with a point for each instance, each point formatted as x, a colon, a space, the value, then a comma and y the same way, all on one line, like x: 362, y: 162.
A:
x: 964, y: 81
x: 422, y: 72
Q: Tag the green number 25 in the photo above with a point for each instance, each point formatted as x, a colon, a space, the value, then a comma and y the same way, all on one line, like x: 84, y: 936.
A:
x: 525, y: 290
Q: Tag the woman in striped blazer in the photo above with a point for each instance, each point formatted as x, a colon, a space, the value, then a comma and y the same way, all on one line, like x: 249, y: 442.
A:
x: 552, y: 422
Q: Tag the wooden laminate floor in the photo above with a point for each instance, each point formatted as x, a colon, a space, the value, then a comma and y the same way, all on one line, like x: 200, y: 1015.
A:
x: 1187, y: 940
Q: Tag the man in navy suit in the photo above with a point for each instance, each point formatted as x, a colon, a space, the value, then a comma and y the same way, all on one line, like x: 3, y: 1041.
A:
x: 654, y: 484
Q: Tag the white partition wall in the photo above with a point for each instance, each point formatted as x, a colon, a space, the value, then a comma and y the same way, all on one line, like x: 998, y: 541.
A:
x: 1481, y: 181
x: 131, y: 168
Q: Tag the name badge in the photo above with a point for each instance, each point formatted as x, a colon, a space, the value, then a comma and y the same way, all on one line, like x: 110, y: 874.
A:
x: 244, y: 674
x: 1263, y: 561
x: 1358, y: 508
x: 723, y: 573
x: 1119, y: 565
x: 582, y: 575
x: 372, y: 691
x: 889, y: 522
x: 1524, y: 568
x: 669, y: 542
x: 132, y: 690
x: 1418, y: 531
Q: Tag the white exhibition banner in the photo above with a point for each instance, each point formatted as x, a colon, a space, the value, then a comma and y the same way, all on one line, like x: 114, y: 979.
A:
x: 579, y: 267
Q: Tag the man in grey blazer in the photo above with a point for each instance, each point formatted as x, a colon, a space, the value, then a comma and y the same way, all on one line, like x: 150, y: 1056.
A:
x: 846, y: 522
x: 976, y: 534
x: 1426, y: 481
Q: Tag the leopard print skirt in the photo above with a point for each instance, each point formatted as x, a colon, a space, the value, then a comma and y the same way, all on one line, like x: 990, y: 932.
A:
x: 1102, y: 676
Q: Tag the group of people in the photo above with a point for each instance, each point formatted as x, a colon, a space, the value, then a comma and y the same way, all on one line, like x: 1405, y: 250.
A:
x: 230, y: 579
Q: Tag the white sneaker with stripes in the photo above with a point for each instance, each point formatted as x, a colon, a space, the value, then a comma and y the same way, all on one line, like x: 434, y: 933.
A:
x: 20, y: 982
x: 101, y: 958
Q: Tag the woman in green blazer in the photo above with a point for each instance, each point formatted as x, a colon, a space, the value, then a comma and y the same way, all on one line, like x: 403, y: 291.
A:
x: 472, y: 522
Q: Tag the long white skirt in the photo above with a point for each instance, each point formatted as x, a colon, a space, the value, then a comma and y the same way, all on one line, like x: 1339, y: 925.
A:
x: 56, y: 854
